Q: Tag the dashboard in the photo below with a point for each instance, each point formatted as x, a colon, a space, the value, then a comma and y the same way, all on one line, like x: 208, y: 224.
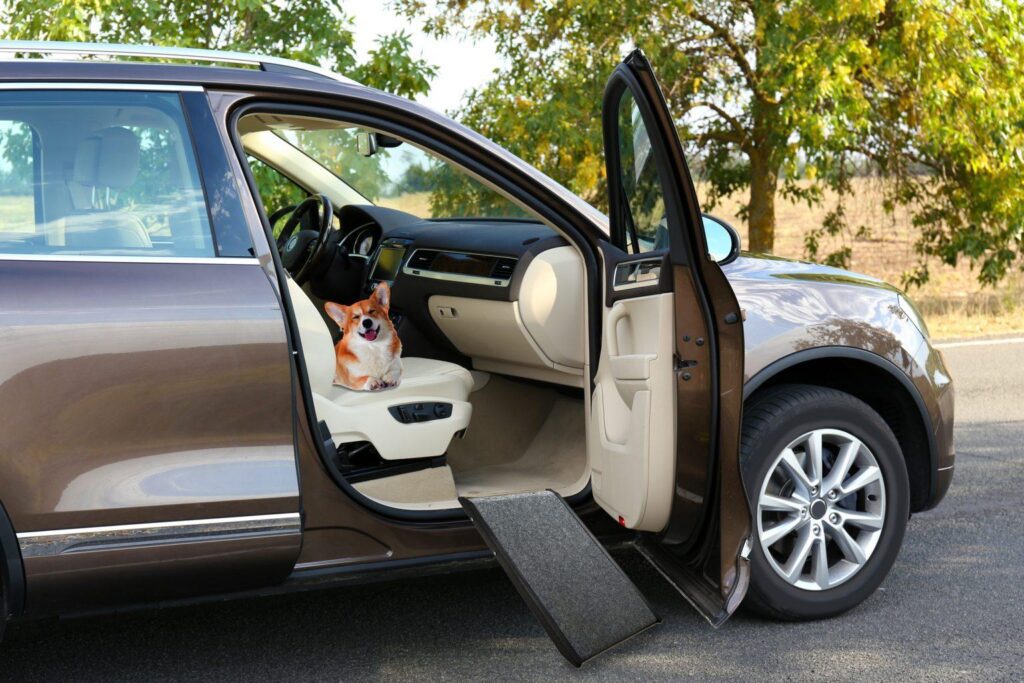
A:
x: 498, y: 295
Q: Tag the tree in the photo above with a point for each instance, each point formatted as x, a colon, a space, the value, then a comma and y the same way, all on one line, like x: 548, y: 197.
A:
x: 784, y: 99
x: 314, y: 31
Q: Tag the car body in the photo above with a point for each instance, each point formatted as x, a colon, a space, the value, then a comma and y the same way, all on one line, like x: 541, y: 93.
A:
x: 161, y: 435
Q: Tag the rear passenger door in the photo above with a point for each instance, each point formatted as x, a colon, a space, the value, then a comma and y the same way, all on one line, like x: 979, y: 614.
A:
x: 147, y: 446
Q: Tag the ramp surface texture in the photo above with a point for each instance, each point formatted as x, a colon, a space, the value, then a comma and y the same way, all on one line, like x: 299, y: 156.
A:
x: 572, y: 585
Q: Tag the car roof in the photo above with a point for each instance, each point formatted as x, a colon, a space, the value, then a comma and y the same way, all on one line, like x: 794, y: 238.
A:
x: 54, y: 70
x: 72, y: 62
x: 15, y: 49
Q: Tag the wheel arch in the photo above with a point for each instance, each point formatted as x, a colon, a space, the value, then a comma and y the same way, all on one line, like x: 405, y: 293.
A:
x: 12, y: 571
x: 879, y: 383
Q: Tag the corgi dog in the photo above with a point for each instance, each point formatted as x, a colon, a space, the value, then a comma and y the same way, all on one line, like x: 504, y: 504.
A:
x: 368, y: 355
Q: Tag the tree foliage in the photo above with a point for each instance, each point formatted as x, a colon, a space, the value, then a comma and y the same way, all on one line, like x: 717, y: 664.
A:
x: 315, y: 31
x: 782, y: 98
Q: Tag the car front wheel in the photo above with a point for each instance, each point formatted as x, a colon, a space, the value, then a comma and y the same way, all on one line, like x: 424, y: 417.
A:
x: 828, y: 487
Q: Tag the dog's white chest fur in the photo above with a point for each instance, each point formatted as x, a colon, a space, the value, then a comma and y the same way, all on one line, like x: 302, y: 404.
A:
x: 379, y: 361
x: 374, y: 358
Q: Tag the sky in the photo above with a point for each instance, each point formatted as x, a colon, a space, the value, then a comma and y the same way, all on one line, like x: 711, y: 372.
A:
x: 461, y: 64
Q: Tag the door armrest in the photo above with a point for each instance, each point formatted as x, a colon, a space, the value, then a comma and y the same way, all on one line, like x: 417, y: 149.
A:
x: 635, y: 366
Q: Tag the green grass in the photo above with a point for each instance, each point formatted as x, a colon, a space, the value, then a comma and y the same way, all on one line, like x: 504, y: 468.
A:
x: 17, y: 213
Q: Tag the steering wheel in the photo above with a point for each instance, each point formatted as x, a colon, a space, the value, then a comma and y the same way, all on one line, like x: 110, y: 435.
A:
x: 304, y: 252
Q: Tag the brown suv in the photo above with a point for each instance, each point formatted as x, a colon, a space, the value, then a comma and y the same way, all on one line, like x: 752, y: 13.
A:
x: 171, y: 428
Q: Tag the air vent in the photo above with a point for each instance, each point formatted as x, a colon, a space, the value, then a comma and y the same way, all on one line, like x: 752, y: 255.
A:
x: 422, y: 259
x: 503, y: 268
x: 461, y: 266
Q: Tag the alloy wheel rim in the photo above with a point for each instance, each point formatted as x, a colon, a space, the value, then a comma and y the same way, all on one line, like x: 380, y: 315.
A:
x: 820, y: 509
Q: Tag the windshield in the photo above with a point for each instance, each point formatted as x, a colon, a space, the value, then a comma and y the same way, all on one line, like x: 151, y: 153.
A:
x: 389, y: 172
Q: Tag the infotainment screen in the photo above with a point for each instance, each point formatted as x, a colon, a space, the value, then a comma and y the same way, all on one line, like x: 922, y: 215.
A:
x: 389, y: 260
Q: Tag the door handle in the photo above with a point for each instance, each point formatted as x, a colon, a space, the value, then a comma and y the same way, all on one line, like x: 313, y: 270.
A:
x: 637, y: 274
x: 616, y: 315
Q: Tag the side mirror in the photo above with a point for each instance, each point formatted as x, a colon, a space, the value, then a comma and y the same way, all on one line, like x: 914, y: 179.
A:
x: 723, y: 240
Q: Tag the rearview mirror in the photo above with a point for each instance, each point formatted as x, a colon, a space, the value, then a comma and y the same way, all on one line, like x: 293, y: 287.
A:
x: 723, y: 240
x: 386, y: 140
x: 366, y: 143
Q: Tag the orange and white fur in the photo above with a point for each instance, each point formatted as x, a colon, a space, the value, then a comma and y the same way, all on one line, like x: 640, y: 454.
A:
x: 368, y: 355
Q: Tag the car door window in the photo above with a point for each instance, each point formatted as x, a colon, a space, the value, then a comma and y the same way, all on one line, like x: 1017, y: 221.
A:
x: 275, y: 189
x: 367, y: 167
x: 109, y: 173
x: 643, y: 199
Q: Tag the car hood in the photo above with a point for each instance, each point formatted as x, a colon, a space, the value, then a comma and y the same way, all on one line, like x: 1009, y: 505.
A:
x: 790, y: 306
x: 765, y: 267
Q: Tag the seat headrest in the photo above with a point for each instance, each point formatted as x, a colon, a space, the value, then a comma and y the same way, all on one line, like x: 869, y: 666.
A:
x: 107, y: 158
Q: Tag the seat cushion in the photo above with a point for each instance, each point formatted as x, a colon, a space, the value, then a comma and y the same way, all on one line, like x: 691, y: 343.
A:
x: 423, y: 378
x: 364, y: 415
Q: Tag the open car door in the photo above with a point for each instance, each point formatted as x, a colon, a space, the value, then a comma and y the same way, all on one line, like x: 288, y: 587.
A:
x: 665, y: 408
x: 667, y: 396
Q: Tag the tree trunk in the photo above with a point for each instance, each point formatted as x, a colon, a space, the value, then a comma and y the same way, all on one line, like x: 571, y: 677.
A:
x: 764, y: 181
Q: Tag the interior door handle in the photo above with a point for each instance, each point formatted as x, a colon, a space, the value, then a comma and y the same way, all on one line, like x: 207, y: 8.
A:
x: 637, y: 274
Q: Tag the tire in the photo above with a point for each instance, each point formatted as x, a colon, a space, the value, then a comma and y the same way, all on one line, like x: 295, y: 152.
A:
x: 4, y: 610
x: 873, y: 517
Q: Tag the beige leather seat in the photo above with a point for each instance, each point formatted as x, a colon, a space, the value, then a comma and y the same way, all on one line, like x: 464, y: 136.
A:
x: 363, y: 415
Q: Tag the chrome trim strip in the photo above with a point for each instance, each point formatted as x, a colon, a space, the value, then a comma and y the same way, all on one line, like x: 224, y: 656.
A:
x: 47, y: 85
x: 74, y: 258
x: 135, y: 536
x: 635, y: 285
x: 456, y: 277
x: 161, y: 52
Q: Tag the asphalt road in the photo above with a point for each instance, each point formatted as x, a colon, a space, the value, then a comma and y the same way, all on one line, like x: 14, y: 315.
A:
x: 952, y: 608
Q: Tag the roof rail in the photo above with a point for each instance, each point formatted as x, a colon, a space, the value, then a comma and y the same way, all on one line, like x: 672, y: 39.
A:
x: 266, y: 63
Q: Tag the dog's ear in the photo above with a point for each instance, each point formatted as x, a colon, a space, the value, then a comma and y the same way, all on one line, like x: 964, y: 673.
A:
x: 382, y: 295
x: 338, y: 313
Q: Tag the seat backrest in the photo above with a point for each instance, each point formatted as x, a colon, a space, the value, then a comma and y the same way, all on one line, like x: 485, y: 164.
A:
x: 106, y: 162
x: 105, y: 230
x: 315, y: 337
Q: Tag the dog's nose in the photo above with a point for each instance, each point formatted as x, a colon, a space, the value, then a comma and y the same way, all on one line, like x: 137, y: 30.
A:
x: 367, y: 323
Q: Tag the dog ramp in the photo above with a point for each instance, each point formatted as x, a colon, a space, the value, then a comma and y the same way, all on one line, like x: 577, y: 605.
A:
x: 580, y: 595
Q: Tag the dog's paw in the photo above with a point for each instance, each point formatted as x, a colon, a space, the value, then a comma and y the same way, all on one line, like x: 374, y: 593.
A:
x: 373, y: 384
x: 379, y: 384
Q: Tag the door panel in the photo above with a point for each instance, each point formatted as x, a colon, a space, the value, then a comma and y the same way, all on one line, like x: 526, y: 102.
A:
x: 137, y: 395
x: 633, y: 405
